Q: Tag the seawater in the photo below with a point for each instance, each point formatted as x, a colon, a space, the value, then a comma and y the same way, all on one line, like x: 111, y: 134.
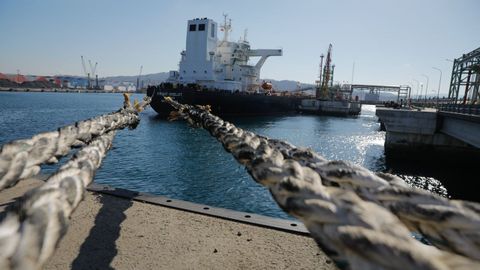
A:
x: 181, y: 162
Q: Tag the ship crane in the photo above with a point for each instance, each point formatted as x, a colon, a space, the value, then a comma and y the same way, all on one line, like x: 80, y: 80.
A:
x: 264, y: 54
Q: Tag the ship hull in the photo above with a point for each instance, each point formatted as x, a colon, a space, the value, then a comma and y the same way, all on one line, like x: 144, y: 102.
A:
x: 224, y: 103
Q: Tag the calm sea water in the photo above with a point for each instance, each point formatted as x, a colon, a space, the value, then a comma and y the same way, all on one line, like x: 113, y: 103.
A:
x: 175, y: 160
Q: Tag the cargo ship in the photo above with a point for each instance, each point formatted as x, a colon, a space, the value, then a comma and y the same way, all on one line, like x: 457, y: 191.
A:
x: 217, y: 72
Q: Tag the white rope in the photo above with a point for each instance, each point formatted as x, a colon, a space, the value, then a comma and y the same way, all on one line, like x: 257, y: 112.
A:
x: 20, y: 159
x: 33, y: 227
x: 361, y: 219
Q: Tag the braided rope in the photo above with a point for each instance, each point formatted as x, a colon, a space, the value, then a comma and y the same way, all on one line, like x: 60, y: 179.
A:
x: 20, y: 159
x: 33, y: 227
x: 362, y: 220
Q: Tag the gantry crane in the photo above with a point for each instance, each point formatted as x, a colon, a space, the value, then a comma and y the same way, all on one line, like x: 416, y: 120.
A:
x: 91, y: 74
x: 93, y: 69
x: 85, y: 71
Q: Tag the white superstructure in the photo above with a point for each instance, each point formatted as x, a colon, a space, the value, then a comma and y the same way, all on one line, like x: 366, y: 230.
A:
x: 219, y: 64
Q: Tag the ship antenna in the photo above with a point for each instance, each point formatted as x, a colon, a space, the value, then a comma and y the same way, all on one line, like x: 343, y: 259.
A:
x: 245, y: 35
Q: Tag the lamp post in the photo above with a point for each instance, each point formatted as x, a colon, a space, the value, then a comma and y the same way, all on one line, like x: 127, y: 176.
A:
x: 450, y: 98
x: 418, y: 87
x: 421, y: 90
x: 426, y: 87
x: 409, y: 98
x: 439, y: 83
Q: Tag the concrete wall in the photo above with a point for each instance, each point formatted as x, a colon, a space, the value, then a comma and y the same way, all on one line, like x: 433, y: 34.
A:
x: 466, y: 130
x: 417, y: 134
x: 408, y: 121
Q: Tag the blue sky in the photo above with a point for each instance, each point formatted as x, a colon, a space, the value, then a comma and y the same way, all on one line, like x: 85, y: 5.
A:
x: 391, y: 42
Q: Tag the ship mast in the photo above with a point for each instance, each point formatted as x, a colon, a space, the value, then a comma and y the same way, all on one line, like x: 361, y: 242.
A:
x: 226, y: 27
x: 245, y: 32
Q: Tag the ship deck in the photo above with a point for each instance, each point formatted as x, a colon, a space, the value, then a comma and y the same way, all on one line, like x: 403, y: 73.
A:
x: 113, y: 232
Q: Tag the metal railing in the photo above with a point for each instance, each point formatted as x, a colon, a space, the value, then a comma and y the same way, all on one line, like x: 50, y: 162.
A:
x: 461, y: 108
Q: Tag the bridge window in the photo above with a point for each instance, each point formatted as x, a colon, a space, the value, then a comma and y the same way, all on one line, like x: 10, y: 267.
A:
x: 193, y: 27
x: 201, y: 27
x: 213, y: 30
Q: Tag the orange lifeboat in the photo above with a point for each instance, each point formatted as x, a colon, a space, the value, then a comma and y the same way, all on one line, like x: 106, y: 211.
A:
x: 266, y: 86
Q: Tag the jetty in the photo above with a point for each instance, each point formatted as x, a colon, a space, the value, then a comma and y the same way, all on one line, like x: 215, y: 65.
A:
x: 359, y: 219
x: 121, y: 229
x: 447, y: 128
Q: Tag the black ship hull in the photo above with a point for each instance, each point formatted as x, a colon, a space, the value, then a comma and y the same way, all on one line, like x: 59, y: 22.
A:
x: 224, y: 103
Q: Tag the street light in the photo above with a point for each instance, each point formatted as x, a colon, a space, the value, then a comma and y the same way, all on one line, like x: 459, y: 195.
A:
x: 439, y: 83
x: 426, y: 88
x: 410, y: 84
x: 418, y: 87
x: 421, y: 89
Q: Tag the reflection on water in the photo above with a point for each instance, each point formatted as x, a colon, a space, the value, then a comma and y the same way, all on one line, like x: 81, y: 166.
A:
x: 175, y: 160
x: 428, y: 183
x: 355, y: 139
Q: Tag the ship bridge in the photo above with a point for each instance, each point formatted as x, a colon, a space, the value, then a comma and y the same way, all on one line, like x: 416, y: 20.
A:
x: 219, y: 64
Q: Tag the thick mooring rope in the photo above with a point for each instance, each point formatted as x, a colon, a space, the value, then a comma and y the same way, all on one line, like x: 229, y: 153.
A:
x: 20, y: 159
x: 33, y: 226
x: 362, y: 220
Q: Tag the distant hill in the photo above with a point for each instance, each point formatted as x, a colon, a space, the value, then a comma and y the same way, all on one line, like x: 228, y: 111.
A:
x: 287, y: 85
x: 157, y: 78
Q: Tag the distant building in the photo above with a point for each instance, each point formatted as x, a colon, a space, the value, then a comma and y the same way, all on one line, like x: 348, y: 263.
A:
x: 120, y: 86
x: 73, y: 82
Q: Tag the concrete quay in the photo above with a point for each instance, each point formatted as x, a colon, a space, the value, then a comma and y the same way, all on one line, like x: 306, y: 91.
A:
x: 132, y: 231
x: 427, y: 133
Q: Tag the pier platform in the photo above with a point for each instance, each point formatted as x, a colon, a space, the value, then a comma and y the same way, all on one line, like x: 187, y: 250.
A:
x: 108, y: 231
x: 429, y: 134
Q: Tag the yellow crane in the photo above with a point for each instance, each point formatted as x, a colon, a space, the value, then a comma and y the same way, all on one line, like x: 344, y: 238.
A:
x: 326, y: 74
